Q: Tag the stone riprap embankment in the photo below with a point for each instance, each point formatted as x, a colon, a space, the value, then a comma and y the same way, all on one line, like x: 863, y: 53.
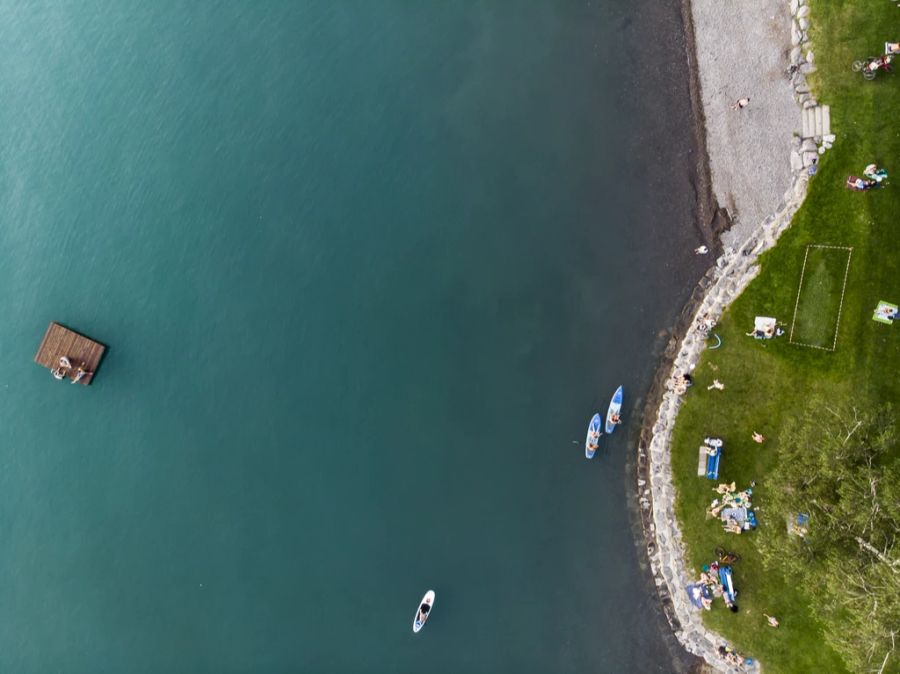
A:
x: 769, y: 37
x: 733, y: 271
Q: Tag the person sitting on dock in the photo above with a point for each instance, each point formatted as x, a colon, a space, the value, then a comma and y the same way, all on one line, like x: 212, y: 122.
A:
x: 80, y: 374
x: 60, y: 372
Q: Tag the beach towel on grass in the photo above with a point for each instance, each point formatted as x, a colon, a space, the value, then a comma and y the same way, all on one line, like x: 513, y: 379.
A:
x: 880, y: 310
x: 712, y: 465
x: 695, y: 594
x: 739, y: 515
x: 727, y: 583
x: 764, y: 327
x: 763, y: 323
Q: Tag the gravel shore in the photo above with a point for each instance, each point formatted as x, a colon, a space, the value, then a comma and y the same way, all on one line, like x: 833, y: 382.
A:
x: 742, y: 50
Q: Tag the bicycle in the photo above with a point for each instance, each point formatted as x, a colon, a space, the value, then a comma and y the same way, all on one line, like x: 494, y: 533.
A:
x: 725, y: 557
x: 870, y: 66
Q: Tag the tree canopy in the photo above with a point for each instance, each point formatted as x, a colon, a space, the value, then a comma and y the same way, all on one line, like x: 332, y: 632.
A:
x: 839, y: 467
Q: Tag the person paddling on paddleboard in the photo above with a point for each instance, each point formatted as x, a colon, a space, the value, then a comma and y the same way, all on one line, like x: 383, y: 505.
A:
x: 616, y: 419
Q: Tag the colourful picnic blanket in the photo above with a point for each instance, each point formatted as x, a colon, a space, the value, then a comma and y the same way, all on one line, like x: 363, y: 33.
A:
x: 883, y: 310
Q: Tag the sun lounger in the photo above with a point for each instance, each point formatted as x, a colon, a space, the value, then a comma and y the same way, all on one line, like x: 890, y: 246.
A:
x: 701, y: 462
x: 882, y: 311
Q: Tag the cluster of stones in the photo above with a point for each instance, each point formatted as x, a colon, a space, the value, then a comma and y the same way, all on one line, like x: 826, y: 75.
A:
x: 732, y: 273
x: 723, y: 283
x: 804, y: 151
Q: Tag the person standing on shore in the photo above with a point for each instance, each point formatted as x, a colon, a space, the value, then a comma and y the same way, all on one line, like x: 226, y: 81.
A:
x: 741, y: 103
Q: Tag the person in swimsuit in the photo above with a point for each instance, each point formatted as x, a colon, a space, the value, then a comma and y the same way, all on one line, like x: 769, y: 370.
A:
x: 80, y: 374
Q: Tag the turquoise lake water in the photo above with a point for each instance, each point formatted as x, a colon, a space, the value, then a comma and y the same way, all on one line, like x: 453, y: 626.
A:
x: 365, y: 270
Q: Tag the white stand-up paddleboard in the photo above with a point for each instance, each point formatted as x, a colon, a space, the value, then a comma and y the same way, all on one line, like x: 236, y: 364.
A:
x: 423, y: 611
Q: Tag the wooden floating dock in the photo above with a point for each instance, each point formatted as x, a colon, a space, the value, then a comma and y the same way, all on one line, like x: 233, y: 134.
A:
x: 59, y: 341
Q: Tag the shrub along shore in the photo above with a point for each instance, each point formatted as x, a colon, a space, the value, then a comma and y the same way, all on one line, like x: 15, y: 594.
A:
x: 782, y: 390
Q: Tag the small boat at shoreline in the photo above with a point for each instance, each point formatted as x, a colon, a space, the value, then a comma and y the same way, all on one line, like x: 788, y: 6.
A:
x: 615, y: 406
x: 592, y: 442
x: 423, y: 611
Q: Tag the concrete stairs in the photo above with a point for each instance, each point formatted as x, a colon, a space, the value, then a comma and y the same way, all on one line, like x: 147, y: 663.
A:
x: 816, y: 122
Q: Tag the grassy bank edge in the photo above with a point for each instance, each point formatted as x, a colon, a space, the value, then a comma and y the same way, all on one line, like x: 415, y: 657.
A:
x: 768, y: 382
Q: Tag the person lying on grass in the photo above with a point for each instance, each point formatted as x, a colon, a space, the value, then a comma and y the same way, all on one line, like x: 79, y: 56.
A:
x: 725, y: 488
x: 874, y: 173
x: 860, y: 184
x: 732, y: 527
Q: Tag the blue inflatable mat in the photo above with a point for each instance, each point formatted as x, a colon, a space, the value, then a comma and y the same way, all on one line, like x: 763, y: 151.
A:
x: 712, y: 465
x: 727, y: 583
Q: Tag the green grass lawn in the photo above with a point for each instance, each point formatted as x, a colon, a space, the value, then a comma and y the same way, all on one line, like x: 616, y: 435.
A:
x: 769, y: 381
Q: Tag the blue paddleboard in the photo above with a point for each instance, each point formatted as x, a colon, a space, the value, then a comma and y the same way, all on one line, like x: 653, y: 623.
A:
x: 615, y: 405
x: 593, y: 436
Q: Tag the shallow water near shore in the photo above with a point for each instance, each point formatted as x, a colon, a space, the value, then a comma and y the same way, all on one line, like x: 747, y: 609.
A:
x: 365, y: 272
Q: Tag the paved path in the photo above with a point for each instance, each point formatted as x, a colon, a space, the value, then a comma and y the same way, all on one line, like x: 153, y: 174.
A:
x: 742, y: 50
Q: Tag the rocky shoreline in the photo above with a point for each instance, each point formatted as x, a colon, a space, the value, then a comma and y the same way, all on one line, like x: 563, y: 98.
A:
x: 725, y: 281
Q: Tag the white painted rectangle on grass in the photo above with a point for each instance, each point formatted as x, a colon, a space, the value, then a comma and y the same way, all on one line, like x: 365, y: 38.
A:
x: 819, y: 297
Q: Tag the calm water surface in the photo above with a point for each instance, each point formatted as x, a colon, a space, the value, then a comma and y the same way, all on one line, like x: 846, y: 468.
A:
x: 365, y: 270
